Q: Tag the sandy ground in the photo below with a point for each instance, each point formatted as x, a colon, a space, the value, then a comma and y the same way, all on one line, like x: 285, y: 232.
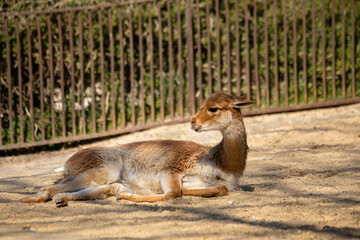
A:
x: 302, y: 181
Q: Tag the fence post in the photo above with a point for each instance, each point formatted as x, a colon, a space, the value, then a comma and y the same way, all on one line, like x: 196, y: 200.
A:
x: 190, y: 57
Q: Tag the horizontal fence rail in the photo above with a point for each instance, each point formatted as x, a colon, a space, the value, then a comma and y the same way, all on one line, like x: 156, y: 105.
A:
x: 86, y: 72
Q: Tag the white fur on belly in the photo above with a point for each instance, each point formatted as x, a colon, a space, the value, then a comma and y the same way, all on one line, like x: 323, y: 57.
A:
x: 142, y: 183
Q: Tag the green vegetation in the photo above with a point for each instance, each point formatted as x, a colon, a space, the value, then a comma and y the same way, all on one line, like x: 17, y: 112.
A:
x: 108, y: 87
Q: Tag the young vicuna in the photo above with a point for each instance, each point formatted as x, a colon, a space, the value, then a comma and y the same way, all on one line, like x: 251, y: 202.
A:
x: 158, y: 170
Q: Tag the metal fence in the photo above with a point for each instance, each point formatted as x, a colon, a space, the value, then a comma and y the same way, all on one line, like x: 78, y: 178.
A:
x: 94, y: 71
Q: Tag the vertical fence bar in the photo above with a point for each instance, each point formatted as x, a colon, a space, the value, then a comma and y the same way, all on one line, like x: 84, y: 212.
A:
x: 1, y: 128
x: 51, y: 59
x: 41, y: 77
x: 19, y: 65
x: 171, y: 63
x: 343, y: 49
x: 141, y: 56
x: 237, y: 51
x: 353, y: 92
x: 63, y: 107
x: 313, y: 50
x: 102, y: 75
x: 304, y: 53
x: 8, y: 63
x: 92, y: 55
x: 132, y: 80
x: 333, y: 70
x: 180, y: 68
x: 199, y: 60
x: 151, y: 54
x: 71, y: 39
x: 267, y: 83
x: 218, y: 47
x: 81, y: 56
x: 190, y: 57
x: 323, y: 75
x: 1, y: 117
x: 112, y: 70
x: 247, y: 45
x: 295, y: 52
x: 276, y: 56
x: 256, y: 56
x: 30, y: 80
x: 162, y: 104
x: 122, y: 77
x: 228, y: 60
x: 208, y: 33
x: 286, y: 80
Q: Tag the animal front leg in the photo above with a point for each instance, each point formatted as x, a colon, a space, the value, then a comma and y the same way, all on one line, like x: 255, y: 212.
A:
x: 206, y: 192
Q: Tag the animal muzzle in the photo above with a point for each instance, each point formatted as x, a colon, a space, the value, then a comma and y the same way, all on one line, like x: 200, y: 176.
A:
x: 194, y: 126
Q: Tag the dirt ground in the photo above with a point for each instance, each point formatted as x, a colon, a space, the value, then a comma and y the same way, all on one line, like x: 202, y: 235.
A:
x: 302, y: 181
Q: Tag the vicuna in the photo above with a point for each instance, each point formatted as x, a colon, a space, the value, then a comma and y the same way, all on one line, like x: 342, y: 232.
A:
x: 159, y: 170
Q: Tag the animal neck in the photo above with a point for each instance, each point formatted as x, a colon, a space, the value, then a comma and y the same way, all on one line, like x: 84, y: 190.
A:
x: 230, y: 154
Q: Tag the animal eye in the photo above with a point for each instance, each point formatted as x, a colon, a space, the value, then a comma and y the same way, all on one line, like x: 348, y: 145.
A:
x: 213, y: 110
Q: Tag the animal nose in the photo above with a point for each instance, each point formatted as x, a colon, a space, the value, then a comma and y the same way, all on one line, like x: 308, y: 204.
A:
x: 193, y: 120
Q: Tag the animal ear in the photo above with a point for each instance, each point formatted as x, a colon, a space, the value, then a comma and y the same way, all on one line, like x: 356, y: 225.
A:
x: 241, y: 102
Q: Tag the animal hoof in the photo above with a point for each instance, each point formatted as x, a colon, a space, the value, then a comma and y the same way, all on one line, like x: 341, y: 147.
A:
x: 60, y: 203
x: 223, y: 190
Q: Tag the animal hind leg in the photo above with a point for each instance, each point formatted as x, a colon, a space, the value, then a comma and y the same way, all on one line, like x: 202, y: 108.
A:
x: 63, y: 185
x: 90, y: 178
x: 46, y: 193
x: 90, y: 193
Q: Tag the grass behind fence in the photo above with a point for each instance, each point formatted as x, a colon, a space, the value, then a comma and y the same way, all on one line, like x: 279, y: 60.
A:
x: 112, y: 87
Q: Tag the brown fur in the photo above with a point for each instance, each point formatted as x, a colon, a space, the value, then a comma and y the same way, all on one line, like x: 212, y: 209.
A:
x: 82, y: 161
x: 183, y: 155
x: 158, y: 170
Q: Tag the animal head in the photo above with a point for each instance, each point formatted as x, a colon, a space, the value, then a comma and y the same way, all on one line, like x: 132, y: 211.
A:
x: 218, y: 112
